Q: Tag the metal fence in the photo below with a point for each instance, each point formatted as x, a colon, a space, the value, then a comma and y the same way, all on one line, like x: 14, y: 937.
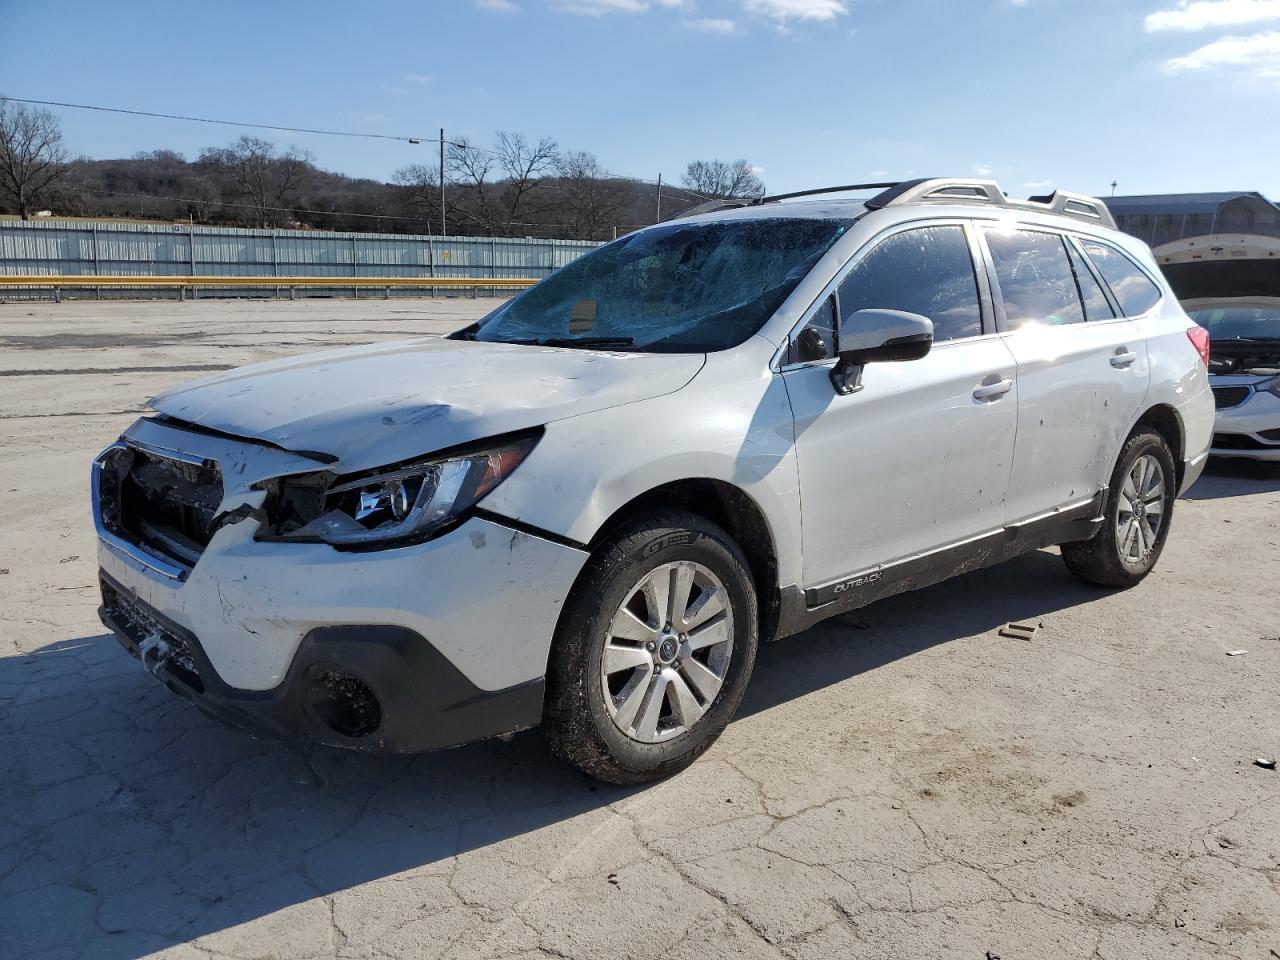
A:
x: 109, y: 249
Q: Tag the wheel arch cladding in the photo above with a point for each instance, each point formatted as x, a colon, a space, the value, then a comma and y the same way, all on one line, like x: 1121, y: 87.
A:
x: 1164, y: 420
x: 728, y: 507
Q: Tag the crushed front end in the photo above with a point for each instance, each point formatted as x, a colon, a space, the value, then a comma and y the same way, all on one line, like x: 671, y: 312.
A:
x: 401, y: 648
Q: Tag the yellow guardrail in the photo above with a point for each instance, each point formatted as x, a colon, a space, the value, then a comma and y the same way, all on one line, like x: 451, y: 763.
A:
x: 41, y: 280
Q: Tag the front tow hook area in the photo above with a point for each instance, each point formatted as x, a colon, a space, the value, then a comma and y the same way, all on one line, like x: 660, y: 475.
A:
x: 154, y: 651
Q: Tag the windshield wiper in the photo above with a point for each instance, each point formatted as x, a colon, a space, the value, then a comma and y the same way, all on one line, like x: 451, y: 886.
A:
x: 584, y: 342
x: 589, y: 342
x: 1249, y: 340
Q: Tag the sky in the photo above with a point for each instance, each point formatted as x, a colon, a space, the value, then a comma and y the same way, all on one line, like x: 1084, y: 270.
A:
x: 1157, y: 95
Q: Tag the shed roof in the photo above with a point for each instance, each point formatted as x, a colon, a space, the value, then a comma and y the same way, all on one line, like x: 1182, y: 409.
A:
x: 1179, y: 203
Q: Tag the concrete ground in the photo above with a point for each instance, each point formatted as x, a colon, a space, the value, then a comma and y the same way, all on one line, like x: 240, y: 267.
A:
x: 905, y: 783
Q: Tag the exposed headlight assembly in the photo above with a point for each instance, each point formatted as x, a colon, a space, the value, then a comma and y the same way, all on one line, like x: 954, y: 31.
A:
x: 405, y: 503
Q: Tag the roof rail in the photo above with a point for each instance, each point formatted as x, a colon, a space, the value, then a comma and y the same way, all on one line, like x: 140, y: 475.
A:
x: 942, y: 190
x: 711, y: 206
x: 939, y: 190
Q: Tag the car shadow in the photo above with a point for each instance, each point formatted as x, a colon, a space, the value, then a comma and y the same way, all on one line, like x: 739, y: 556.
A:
x: 1223, y: 478
x: 129, y: 821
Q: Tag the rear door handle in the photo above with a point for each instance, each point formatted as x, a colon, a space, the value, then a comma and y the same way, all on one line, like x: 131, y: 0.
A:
x: 992, y: 388
x: 1122, y: 358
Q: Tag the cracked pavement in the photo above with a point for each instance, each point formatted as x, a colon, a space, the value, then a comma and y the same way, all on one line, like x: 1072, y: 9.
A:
x: 900, y: 783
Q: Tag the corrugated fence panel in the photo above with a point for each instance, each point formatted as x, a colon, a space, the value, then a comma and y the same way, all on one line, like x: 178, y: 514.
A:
x: 76, y: 248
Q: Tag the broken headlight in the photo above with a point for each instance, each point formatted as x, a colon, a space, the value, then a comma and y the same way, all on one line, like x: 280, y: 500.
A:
x: 406, y: 502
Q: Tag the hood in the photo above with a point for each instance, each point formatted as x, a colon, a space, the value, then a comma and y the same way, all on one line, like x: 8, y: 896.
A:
x: 383, y: 403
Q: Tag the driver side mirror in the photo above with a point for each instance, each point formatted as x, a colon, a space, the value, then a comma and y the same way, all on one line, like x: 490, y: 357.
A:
x: 878, y: 336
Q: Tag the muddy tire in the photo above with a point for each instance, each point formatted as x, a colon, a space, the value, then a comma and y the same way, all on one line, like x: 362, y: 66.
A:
x: 1137, y: 517
x: 654, y: 650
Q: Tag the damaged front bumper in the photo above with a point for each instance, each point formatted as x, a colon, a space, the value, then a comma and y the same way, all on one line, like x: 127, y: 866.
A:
x: 399, y: 650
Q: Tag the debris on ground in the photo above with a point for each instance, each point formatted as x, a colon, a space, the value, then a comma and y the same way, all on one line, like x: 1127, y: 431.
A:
x: 1266, y: 763
x: 1020, y: 631
x: 1236, y: 653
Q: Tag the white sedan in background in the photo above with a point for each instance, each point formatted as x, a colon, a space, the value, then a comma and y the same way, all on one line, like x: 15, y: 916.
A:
x: 1244, y: 372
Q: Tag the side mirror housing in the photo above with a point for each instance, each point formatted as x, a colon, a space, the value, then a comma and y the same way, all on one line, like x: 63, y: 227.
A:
x: 878, y: 336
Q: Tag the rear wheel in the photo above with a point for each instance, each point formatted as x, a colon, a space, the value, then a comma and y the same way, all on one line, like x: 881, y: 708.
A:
x: 1136, y: 522
x: 654, y: 651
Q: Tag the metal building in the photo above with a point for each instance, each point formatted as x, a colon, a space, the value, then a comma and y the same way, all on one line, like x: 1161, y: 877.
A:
x: 1163, y: 218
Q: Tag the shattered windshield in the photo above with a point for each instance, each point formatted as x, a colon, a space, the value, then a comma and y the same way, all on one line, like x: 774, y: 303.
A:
x: 680, y: 287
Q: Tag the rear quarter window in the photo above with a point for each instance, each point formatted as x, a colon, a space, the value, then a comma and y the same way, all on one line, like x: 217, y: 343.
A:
x: 1133, y: 289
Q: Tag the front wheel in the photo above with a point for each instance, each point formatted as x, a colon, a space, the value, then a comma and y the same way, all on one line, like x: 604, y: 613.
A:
x: 1136, y: 522
x: 654, y: 650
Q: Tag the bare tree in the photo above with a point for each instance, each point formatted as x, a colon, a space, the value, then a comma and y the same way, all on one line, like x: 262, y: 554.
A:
x: 32, y: 156
x: 495, y: 186
x: 723, y: 181
x: 524, y: 163
x: 590, y: 196
x: 269, y: 180
x: 469, y: 167
x: 421, y: 185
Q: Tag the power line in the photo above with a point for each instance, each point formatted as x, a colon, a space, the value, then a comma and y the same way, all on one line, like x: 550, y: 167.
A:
x: 225, y: 123
x: 328, y: 133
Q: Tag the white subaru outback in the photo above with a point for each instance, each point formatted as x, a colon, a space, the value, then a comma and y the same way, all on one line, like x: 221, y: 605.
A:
x: 586, y: 510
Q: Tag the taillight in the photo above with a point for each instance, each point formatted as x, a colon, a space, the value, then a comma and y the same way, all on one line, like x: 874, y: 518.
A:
x: 1199, y: 338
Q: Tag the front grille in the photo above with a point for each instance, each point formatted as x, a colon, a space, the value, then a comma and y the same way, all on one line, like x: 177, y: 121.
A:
x: 165, y: 506
x: 159, y: 645
x: 1239, y: 441
x: 1229, y: 396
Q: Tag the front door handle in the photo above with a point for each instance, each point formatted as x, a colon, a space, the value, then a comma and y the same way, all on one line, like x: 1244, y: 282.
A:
x: 992, y: 388
x: 1124, y: 357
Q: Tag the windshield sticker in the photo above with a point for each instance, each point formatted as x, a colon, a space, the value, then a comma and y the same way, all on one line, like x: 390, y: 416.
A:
x: 583, y: 316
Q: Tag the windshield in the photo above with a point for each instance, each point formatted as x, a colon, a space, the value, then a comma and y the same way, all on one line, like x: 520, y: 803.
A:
x: 1240, y: 323
x: 680, y: 287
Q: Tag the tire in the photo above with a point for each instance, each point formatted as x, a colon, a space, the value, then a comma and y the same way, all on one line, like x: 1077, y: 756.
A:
x: 1120, y: 555
x: 623, y: 739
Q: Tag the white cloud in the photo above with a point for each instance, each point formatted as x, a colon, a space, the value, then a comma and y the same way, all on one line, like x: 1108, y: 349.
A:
x: 1258, y: 55
x: 1191, y: 15
x: 1038, y: 184
x: 982, y: 170
x: 711, y: 25
x: 417, y: 79
x: 497, y: 6
x: 784, y: 11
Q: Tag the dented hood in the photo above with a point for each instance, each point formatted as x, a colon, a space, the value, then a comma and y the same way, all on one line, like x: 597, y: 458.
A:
x: 386, y: 402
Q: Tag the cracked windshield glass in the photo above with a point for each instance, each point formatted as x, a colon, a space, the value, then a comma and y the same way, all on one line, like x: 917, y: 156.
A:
x: 684, y: 288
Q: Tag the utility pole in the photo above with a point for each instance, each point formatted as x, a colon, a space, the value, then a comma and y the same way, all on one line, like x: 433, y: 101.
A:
x: 1113, y: 188
x: 658, y: 217
x: 443, y: 230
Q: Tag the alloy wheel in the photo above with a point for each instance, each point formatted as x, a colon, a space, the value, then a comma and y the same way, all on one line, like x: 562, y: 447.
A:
x: 667, y: 652
x: 1141, y: 510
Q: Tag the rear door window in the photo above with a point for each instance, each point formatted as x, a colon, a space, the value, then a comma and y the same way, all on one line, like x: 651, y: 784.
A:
x: 1096, y: 304
x: 1035, y: 276
x: 1133, y: 289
